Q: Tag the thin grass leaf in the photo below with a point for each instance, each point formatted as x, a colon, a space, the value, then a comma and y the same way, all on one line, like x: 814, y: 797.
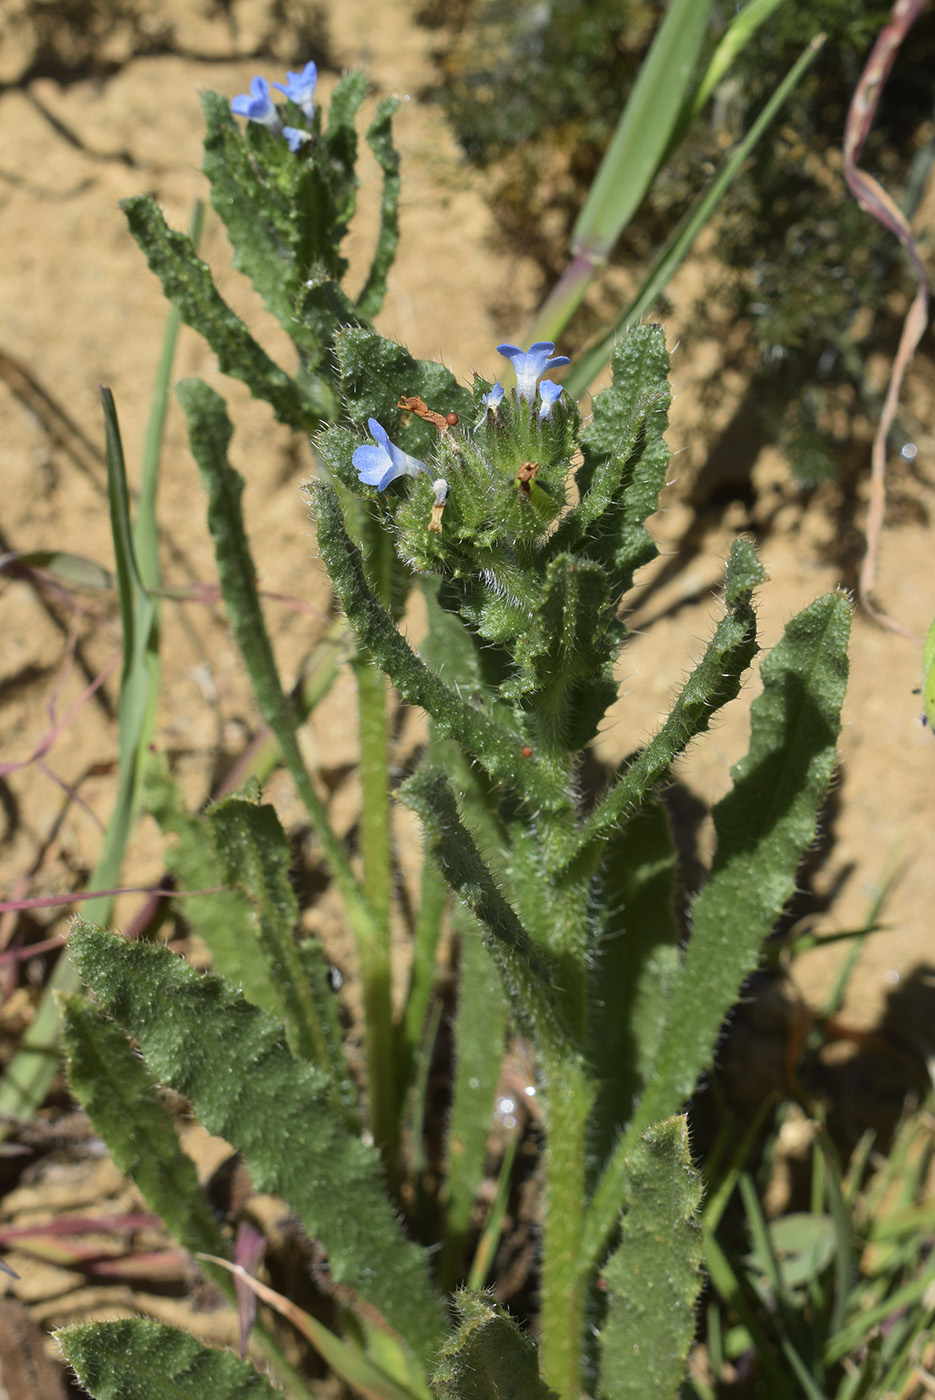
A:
x: 730, y: 1288
x: 29, y: 1074
x: 424, y: 972
x: 639, y: 145
x: 589, y: 365
x: 228, y: 1058
x: 845, y: 1261
x: 345, y: 1360
x: 765, y: 1256
x: 489, y: 1242
x: 743, y: 27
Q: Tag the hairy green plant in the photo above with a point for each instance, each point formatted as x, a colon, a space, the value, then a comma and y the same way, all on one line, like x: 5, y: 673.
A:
x: 525, y: 528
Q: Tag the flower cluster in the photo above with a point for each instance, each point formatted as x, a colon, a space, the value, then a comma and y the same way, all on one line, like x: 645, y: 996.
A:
x: 528, y: 365
x: 382, y: 462
x: 258, y: 106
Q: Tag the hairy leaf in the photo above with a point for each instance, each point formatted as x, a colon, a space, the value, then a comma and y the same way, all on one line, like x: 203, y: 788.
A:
x: 120, y: 1097
x: 497, y: 749
x: 488, y: 1358
x: 714, y: 681
x: 141, y: 1360
x: 380, y: 141
x: 563, y: 660
x: 763, y: 826
x: 625, y: 461
x: 186, y: 281
x: 653, y: 1277
x: 228, y: 1058
x: 632, y: 968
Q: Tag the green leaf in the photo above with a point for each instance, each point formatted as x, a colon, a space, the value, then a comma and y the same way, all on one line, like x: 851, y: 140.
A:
x: 653, y: 1276
x: 528, y: 976
x: 210, y: 431
x: 141, y: 1360
x: 339, y: 143
x: 625, y: 458
x: 228, y: 1058
x: 715, y: 680
x: 120, y: 1096
x: 589, y: 365
x: 225, y: 919
x: 380, y: 141
x: 73, y: 569
x: 242, y: 927
x: 186, y: 281
x: 645, y: 125
x: 806, y: 1244
x: 29, y: 1074
x: 255, y: 857
x: 632, y: 969
x: 763, y: 826
x: 257, y: 216
x: 488, y: 1358
x: 479, y: 1033
x: 376, y: 372
x: 639, y: 147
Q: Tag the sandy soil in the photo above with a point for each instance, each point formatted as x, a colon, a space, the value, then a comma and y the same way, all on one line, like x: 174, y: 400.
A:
x: 78, y: 308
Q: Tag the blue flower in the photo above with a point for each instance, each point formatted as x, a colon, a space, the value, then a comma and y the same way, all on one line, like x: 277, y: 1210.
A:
x: 491, y: 401
x: 549, y: 393
x: 300, y: 88
x: 295, y: 137
x: 529, y: 364
x: 257, y: 106
x: 378, y: 466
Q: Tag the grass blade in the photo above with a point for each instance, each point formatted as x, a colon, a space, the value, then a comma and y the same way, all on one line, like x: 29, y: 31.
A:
x: 30, y: 1073
x: 639, y: 145
x: 589, y: 365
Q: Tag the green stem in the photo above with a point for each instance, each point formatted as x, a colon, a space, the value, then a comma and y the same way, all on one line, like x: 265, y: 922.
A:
x: 377, y: 883
x: 374, y: 951
x: 375, y: 785
x: 564, y: 1284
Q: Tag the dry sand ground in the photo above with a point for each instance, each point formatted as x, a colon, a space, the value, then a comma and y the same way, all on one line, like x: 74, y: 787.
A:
x: 78, y: 308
